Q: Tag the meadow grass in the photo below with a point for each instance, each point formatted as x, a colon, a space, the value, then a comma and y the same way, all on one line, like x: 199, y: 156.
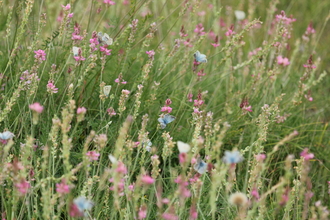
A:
x: 142, y: 126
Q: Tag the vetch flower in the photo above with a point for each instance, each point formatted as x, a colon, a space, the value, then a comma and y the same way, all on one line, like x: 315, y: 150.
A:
x: 67, y: 7
x: 232, y: 157
x: 40, y: 55
x: 283, y: 61
x: 109, y: 2
x: 307, y: 156
x: 36, y: 107
x: 147, y: 180
x: 62, y: 188
x: 23, y: 187
x: 51, y: 88
x: 92, y: 155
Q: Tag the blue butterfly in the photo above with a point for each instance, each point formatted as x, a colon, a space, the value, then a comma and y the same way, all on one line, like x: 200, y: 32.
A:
x: 165, y: 120
x: 6, y: 135
x: 200, y: 166
x: 201, y: 58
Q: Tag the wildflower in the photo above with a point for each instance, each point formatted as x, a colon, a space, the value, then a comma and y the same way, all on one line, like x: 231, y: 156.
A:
x: 167, y: 109
x: 76, y: 33
x: 36, y: 107
x: 189, y: 97
x: 247, y: 108
x: 169, y: 216
x: 82, y: 204
x: 121, y: 168
x: 40, y: 55
x: 109, y: 2
x: 310, y: 30
x: 230, y: 31
x: 255, y: 193
x: 283, y: 61
x: 142, y: 212
x: 51, y: 88
x: 260, y: 157
x: 199, y: 29
x: 111, y: 112
x: 81, y: 113
x: 92, y: 155
x: 232, y: 157
x: 308, y: 96
x: 67, y: 7
x: 183, y: 32
x: 62, y: 188
x: 105, y: 50
x: 238, y: 199
x: 151, y: 54
x: 310, y: 64
x: 193, y: 212
x: 147, y: 180
x: 125, y: 92
x: 285, y: 197
x: 23, y: 187
x: 307, y: 156
x: 70, y: 15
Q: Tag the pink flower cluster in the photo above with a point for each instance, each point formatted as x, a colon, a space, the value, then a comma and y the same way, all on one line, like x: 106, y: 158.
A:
x: 51, y: 88
x: 109, y: 2
x: 62, y: 188
x: 166, y: 107
x: 199, y: 29
x: 230, y: 31
x: 151, y: 54
x: 283, y: 61
x: 36, y: 107
x: 92, y: 155
x: 40, y: 55
x: 120, y: 79
x: 75, y: 34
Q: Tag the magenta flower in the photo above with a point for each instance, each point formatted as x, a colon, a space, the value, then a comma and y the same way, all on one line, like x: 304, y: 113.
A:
x: 125, y: 92
x: 92, y: 155
x: 151, y: 54
x: 260, y: 157
x: 36, y: 107
x: 199, y: 29
x: 167, y: 109
x: 283, y: 61
x: 109, y: 2
x: 147, y: 180
x: 111, y: 112
x: 121, y: 168
x: 51, y: 88
x: 230, y: 31
x: 255, y: 193
x: 62, y: 188
x: 247, y: 108
x: 169, y: 216
x: 142, y: 213
x: 193, y: 212
x: 40, y: 55
x: 23, y: 187
x: 307, y: 156
x: 67, y: 7
x: 310, y: 64
x: 105, y: 50
x: 81, y: 110
x: 215, y: 45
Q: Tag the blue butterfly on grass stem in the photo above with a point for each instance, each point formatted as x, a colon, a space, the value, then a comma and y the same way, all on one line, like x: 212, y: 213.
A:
x: 165, y: 120
x: 201, y: 58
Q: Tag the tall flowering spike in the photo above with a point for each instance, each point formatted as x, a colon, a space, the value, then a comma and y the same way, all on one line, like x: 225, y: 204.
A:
x: 232, y: 157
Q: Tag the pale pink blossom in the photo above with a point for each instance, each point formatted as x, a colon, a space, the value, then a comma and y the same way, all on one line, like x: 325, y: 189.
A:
x: 23, y: 187
x: 167, y: 109
x: 67, y: 7
x: 62, y: 188
x: 81, y: 110
x: 36, y: 107
x: 283, y: 61
x: 307, y: 156
x: 147, y: 180
x: 109, y: 2
x: 51, y: 88
x: 92, y: 155
x: 40, y: 55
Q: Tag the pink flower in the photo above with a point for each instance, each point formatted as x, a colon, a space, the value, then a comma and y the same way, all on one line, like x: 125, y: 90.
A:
x: 51, y: 88
x: 182, y: 157
x: 283, y: 61
x: 117, y: 80
x: 109, y: 2
x: 105, y: 50
x: 193, y: 212
x: 121, y: 168
x: 126, y: 92
x: 111, y: 112
x: 230, y: 31
x: 79, y: 58
x: 215, y: 45
x: 260, y: 157
x: 74, y: 211
x: 81, y: 110
x: 70, y: 15
x: 169, y: 216
x: 36, y: 107
x: 310, y: 30
x: 67, y: 7
x: 147, y: 180
x: 92, y: 155
x: 307, y: 156
x: 142, y: 212
x: 23, y: 187
x: 199, y: 29
x: 151, y: 54
x: 40, y: 55
x: 167, y: 109
x: 247, y: 108
x: 310, y: 64
x: 255, y: 193
x: 62, y: 188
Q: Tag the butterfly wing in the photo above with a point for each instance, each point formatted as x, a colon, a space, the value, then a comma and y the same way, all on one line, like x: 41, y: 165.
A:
x: 75, y: 51
x: 200, y: 57
x: 168, y: 118
x: 106, y: 90
x: 99, y: 37
x: 107, y: 39
x: 200, y: 166
x: 162, y: 123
